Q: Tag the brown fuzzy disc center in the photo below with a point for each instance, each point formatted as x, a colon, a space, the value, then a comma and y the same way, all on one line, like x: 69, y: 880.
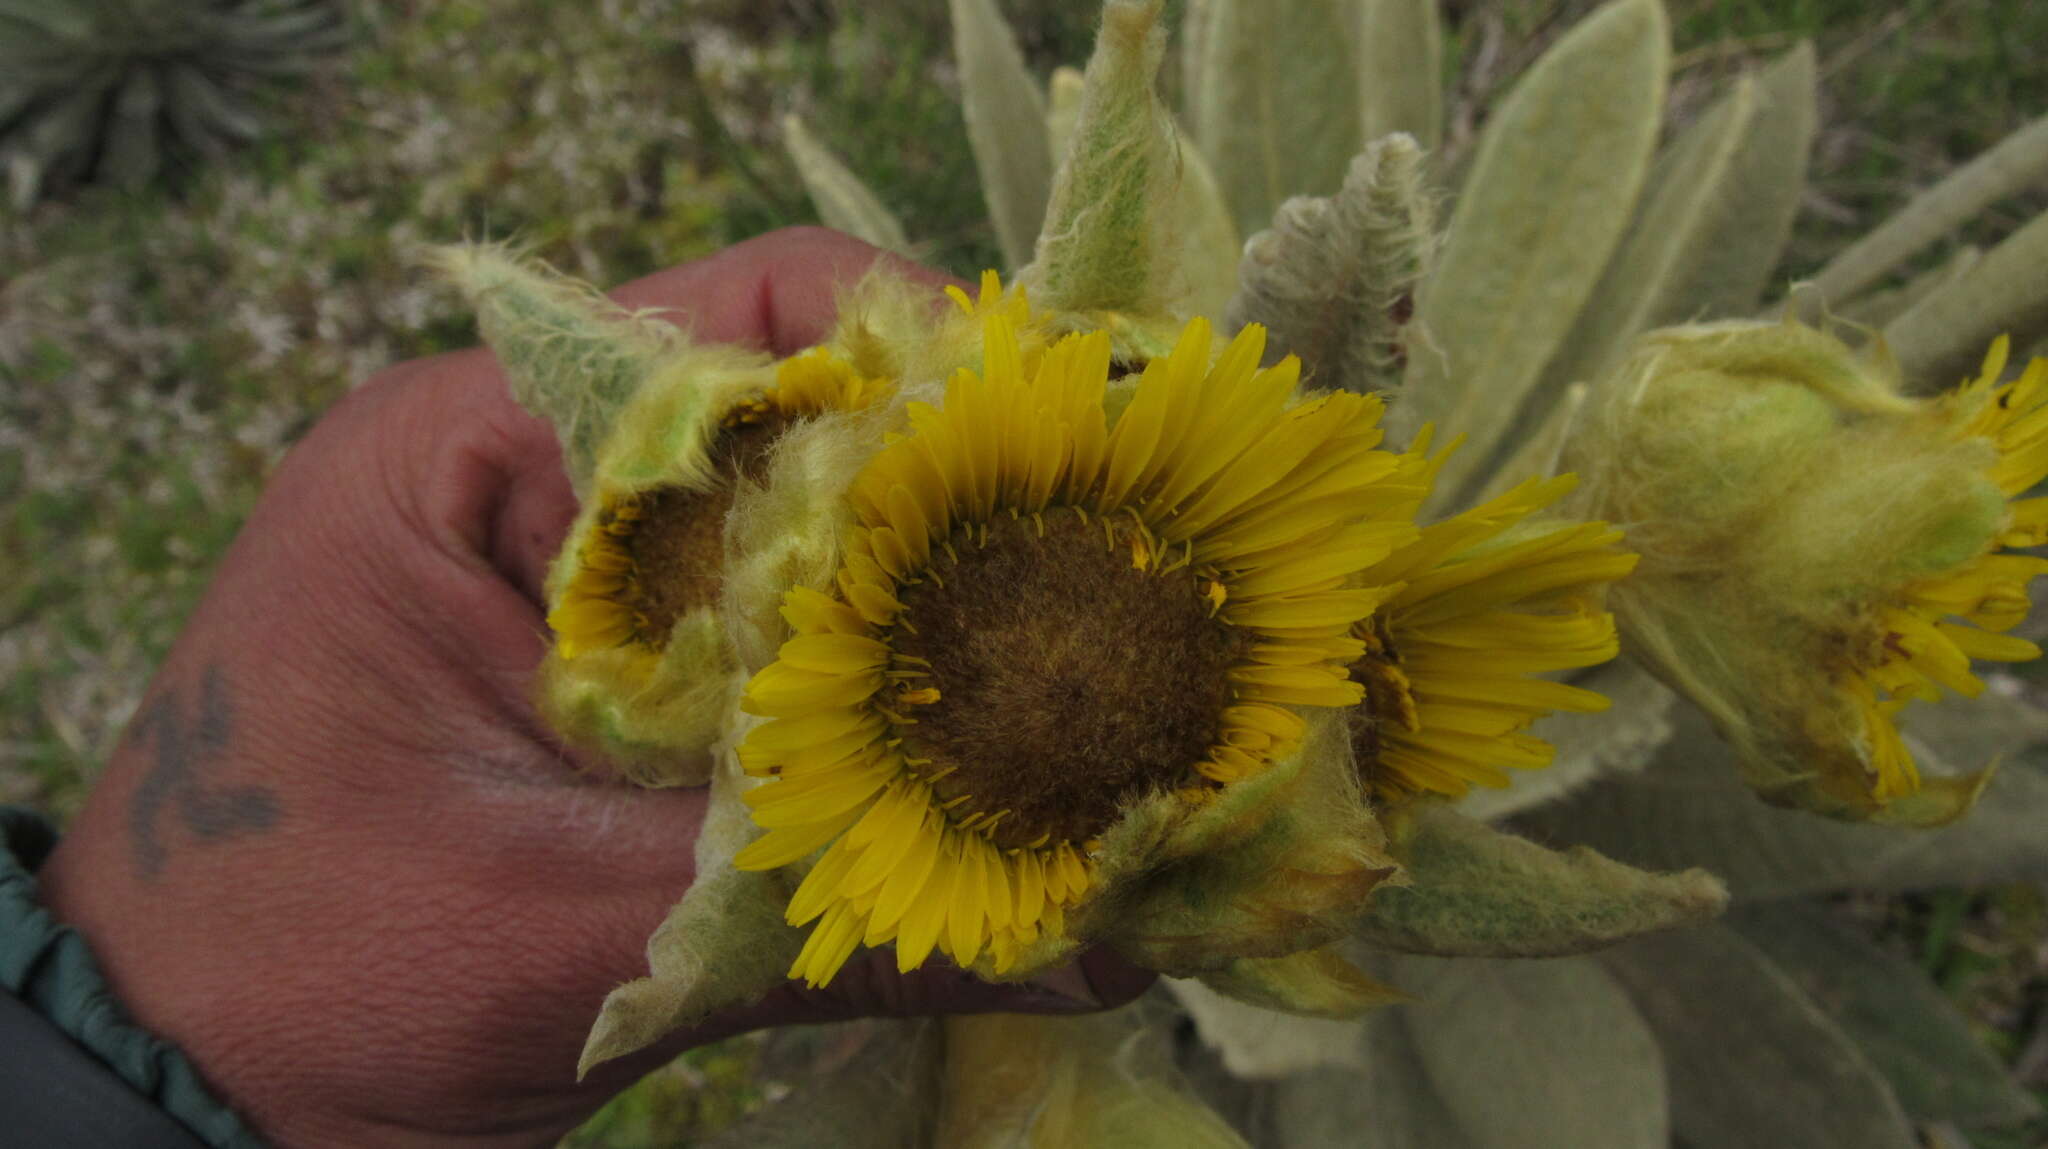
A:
x: 1389, y: 699
x: 1069, y: 680
x: 677, y: 542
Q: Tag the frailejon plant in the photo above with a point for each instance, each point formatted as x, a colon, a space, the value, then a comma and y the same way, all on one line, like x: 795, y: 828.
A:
x: 105, y: 90
x: 1064, y: 616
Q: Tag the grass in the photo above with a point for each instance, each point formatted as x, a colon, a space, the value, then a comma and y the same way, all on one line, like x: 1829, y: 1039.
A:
x: 158, y: 354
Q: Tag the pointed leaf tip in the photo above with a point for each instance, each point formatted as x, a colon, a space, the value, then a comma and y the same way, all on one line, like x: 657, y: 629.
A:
x: 1477, y: 892
x: 1006, y: 115
x: 844, y: 203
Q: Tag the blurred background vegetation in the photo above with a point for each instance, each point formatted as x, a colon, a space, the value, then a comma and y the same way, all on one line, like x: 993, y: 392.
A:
x: 212, y: 214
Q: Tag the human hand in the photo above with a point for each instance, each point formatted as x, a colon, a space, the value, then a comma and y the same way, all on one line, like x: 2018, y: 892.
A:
x: 337, y: 859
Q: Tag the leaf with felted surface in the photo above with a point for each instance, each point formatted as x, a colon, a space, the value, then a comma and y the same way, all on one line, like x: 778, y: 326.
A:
x: 1019, y: 1081
x: 1689, y: 808
x: 1715, y: 214
x: 1556, y: 176
x: 1749, y: 1059
x: 2015, y: 162
x: 1257, y: 1042
x: 1475, y: 891
x: 1390, y: 1103
x: 1400, y: 70
x: 1276, y: 110
x: 1941, y: 339
x: 1534, y: 1052
x: 844, y: 203
x: 1005, y: 125
x: 1907, y: 1027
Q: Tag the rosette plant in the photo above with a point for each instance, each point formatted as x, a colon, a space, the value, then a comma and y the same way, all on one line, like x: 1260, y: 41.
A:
x: 1249, y: 609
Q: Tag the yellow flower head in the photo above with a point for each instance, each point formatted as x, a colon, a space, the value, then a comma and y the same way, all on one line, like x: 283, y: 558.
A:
x: 1818, y: 548
x: 650, y: 553
x: 1044, y: 615
x: 641, y: 661
x: 1488, y: 599
x: 1926, y: 634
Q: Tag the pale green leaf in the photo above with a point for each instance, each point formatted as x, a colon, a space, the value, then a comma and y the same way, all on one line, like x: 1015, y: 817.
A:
x: 1257, y: 1042
x: 572, y: 356
x: 1389, y: 1104
x: 1874, y: 309
x: 1195, y: 22
x: 1908, y: 1028
x: 1715, y: 215
x: 1526, y: 1053
x: 2016, y: 162
x: 1556, y: 176
x: 1018, y: 1081
x: 1621, y: 739
x: 1691, y: 809
x: 1276, y: 112
x: 1750, y: 1060
x: 1207, y: 237
x: 1941, y: 340
x: 1333, y: 279
x: 1005, y: 125
x: 1400, y: 70
x: 1108, y: 243
x: 1062, y: 109
x: 844, y: 203
x: 1475, y: 891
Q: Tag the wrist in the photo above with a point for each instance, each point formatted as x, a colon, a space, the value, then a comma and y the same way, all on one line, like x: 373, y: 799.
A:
x: 90, y: 1053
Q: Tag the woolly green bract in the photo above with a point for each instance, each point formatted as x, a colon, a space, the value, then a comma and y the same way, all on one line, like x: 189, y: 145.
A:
x: 1477, y: 892
x: 1782, y: 493
x: 1105, y: 245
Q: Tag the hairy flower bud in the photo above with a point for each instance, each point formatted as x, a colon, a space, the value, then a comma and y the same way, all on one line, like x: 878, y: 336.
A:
x: 1818, y: 549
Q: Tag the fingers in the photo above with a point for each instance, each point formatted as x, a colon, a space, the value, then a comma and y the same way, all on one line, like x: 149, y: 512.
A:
x: 778, y: 293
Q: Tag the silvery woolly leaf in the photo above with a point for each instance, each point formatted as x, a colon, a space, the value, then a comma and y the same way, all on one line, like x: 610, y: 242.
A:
x: 572, y: 356
x: 1257, y: 1042
x: 1556, y: 175
x: 844, y: 203
x: 1400, y: 70
x: 1751, y: 1061
x: 1475, y: 891
x: 1908, y: 1028
x: 1689, y: 808
x: 1941, y: 339
x: 1388, y: 1104
x: 1020, y: 1081
x: 2017, y: 161
x: 1334, y: 278
x: 1005, y: 125
x: 1107, y: 242
x: 1526, y: 1053
x: 1876, y: 308
x: 1062, y: 108
x: 1714, y: 218
x: 1276, y: 112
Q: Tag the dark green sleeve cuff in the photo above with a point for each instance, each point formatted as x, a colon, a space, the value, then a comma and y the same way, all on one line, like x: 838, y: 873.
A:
x: 47, y: 967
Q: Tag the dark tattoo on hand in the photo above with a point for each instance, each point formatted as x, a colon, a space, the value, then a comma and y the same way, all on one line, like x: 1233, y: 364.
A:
x: 186, y: 743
